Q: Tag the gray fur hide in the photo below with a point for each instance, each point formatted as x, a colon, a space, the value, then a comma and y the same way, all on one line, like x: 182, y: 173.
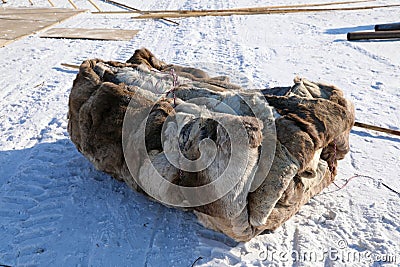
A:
x: 302, y: 129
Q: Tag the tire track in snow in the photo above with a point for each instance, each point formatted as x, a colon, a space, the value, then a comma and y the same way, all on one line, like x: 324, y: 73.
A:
x: 373, y: 56
x: 296, y: 244
x: 156, y: 224
x: 32, y: 104
x: 153, y: 35
x: 37, y: 200
x: 32, y: 203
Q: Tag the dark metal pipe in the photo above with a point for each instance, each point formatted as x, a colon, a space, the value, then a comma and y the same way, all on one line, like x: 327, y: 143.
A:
x: 352, y: 36
x: 388, y: 27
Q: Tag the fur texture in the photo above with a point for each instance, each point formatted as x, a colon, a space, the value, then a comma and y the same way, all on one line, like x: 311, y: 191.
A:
x: 312, y: 120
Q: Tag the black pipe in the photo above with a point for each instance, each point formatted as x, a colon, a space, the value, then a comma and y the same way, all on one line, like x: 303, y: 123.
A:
x: 352, y: 36
x: 388, y: 27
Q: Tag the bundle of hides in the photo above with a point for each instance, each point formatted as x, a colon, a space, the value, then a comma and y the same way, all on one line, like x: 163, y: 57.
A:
x: 311, y: 125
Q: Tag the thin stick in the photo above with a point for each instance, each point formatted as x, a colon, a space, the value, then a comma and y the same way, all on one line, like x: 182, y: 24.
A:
x: 122, y: 5
x: 171, y: 21
x: 73, y: 4
x: 94, y: 4
x: 72, y: 66
x: 51, y: 3
x: 255, y: 12
x: 391, y: 189
x: 136, y: 10
x: 376, y: 128
x: 30, y: 1
x: 199, y: 258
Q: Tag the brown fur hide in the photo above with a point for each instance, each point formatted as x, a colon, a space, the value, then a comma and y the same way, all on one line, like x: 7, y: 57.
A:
x: 312, y: 130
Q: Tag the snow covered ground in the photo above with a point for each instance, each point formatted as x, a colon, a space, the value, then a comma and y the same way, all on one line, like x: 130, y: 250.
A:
x: 57, y: 210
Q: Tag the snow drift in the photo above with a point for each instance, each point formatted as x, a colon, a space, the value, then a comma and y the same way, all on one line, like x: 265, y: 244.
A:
x: 275, y: 148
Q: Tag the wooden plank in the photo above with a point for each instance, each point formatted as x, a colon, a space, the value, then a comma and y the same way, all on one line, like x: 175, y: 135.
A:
x: 4, y: 42
x: 12, y: 29
x: 91, y: 34
x: 36, y: 14
x: 353, y: 36
x: 36, y: 10
x: 16, y: 23
x: 50, y: 17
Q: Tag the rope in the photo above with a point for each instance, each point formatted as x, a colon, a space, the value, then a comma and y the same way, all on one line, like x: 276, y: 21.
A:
x: 332, y: 167
x: 356, y: 176
x: 175, y: 84
x: 348, y: 180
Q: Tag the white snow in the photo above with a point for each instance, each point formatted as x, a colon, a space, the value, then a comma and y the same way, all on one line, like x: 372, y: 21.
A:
x: 57, y: 210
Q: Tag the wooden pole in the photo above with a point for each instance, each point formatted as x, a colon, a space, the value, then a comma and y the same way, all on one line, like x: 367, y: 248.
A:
x: 353, y: 36
x: 72, y: 66
x: 388, y: 27
x: 73, y: 4
x: 51, y: 3
x: 94, y: 4
x: 376, y: 128
x: 114, y: 12
x: 202, y: 13
x: 136, y: 10
x: 249, y: 9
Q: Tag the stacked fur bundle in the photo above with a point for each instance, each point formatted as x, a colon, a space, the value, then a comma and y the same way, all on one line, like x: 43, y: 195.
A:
x: 312, y: 122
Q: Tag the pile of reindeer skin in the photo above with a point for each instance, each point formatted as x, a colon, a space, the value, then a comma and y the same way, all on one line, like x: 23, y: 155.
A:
x: 293, y: 138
